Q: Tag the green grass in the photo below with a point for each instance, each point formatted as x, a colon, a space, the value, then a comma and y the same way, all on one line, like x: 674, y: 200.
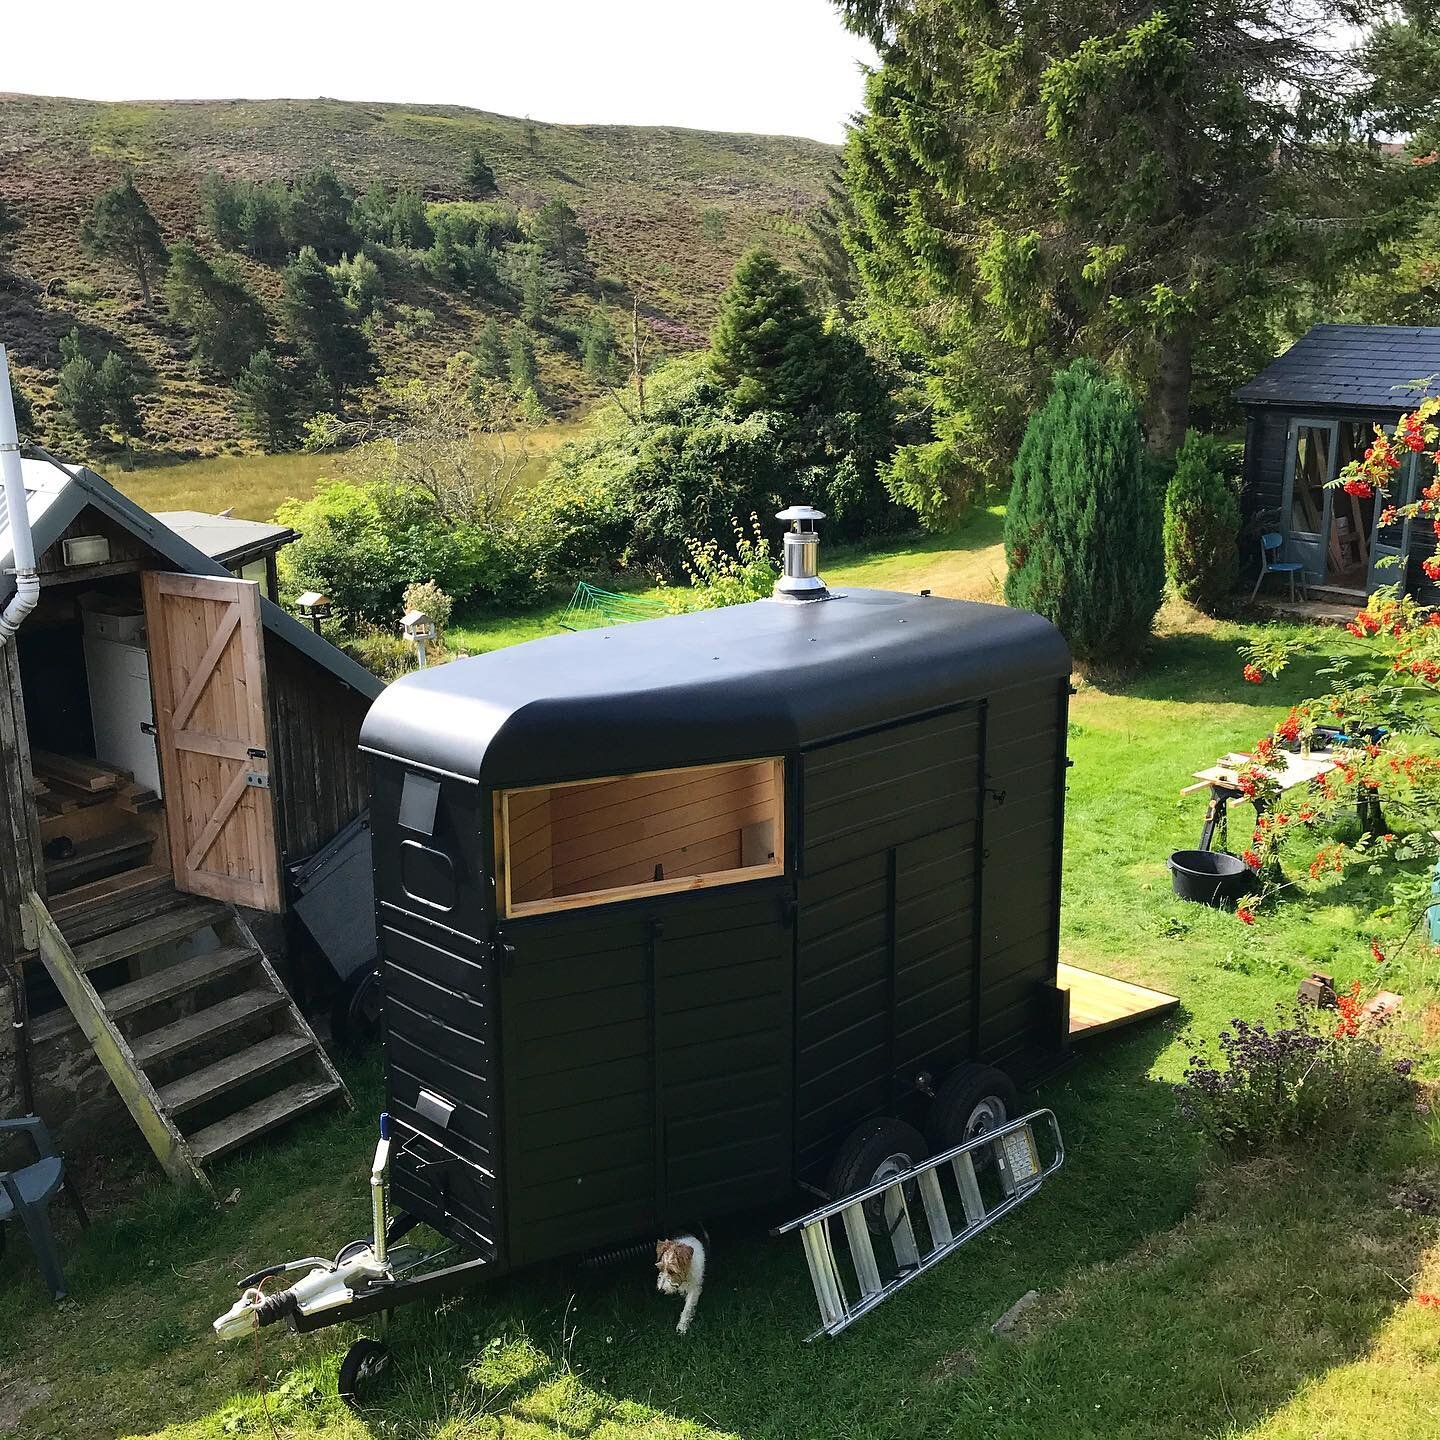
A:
x: 255, y: 485
x: 1180, y: 1298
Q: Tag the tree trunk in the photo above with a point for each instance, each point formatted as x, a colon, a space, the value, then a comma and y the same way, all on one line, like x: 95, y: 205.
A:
x: 1170, y: 395
x: 144, y: 277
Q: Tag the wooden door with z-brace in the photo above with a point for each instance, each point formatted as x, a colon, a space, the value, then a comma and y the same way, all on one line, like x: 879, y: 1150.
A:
x: 207, y: 674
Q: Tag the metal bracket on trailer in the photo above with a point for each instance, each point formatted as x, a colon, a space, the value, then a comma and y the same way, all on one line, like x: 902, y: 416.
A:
x: 1018, y: 1171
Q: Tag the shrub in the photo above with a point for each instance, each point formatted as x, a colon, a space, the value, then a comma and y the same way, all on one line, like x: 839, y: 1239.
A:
x: 1202, y: 524
x: 1307, y: 1075
x: 718, y: 578
x: 426, y: 595
x: 1083, y: 527
x: 360, y: 283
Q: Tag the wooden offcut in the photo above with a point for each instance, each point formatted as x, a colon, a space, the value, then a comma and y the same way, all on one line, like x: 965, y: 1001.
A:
x: 1100, y: 1002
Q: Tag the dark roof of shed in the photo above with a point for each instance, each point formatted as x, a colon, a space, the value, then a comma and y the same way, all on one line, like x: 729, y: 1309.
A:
x: 56, y: 493
x: 1371, y: 367
x: 750, y: 680
x: 225, y: 538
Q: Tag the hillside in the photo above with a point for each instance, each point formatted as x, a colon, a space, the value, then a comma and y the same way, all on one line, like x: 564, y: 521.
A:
x: 668, y: 212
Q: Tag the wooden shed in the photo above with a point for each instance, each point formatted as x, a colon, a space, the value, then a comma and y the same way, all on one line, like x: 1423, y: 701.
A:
x: 1307, y: 416
x: 668, y: 909
x: 172, y: 740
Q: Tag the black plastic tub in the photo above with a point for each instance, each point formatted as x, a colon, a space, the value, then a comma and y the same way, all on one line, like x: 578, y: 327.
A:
x: 1210, y: 877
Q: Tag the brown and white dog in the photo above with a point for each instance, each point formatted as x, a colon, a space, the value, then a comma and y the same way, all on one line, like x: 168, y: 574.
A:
x: 681, y: 1263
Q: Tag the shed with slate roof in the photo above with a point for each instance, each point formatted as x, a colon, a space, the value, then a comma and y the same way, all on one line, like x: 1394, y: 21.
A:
x: 1307, y: 416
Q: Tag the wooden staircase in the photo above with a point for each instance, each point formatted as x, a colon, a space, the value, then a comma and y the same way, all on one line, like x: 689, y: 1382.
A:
x: 189, y: 1019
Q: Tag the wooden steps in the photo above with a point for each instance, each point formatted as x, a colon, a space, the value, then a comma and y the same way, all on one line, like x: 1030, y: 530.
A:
x: 97, y: 859
x: 214, y: 1079
x: 260, y: 1118
x: 202, y: 1041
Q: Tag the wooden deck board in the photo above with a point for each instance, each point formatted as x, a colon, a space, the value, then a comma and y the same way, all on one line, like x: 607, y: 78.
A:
x: 1100, y: 1002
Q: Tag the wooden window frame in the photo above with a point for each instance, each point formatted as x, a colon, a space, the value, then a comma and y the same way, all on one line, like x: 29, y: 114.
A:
x: 511, y: 909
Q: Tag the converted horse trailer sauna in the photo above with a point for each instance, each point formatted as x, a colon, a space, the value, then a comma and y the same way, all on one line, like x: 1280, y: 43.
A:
x: 666, y: 910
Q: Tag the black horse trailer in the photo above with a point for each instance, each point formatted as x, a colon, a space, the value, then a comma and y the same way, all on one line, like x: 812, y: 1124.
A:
x: 667, y: 910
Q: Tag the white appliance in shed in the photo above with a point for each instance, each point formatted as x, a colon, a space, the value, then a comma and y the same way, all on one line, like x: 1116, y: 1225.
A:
x: 117, y: 669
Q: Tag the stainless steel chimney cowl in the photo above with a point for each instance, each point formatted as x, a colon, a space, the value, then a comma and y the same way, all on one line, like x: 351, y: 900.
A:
x: 800, y: 582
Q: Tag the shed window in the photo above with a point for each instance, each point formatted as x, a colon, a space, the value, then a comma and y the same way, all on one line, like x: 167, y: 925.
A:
x: 593, y: 842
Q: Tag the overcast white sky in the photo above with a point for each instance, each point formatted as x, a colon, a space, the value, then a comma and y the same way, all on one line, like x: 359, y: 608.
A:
x: 783, y: 67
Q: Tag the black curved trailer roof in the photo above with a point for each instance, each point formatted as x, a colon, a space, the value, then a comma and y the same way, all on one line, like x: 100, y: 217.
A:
x: 758, y: 679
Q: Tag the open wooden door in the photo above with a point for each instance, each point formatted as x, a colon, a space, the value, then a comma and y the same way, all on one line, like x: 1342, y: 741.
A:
x: 207, y: 666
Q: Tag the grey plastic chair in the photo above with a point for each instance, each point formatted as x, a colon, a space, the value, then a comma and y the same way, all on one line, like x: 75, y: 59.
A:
x: 27, y: 1193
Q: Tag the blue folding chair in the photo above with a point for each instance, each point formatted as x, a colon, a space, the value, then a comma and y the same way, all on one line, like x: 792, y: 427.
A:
x: 1272, y: 544
x: 27, y: 1193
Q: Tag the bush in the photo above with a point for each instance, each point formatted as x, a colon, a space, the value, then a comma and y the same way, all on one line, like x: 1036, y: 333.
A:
x: 1083, y: 527
x: 1308, y: 1075
x: 426, y: 595
x: 718, y: 578
x: 1202, y: 524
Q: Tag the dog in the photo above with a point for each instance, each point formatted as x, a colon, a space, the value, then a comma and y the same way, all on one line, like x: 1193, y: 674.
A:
x: 681, y: 1263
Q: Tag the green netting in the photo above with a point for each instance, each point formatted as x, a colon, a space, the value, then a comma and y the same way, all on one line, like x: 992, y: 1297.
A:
x: 590, y: 606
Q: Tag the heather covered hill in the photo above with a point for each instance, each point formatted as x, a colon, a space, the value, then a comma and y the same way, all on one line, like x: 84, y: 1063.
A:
x: 667, y: 213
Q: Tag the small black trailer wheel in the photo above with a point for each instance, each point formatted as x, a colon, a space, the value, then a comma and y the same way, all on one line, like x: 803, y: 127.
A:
x: 972, y: 1100
x: 365, y: 1361
x: 872, y: 1152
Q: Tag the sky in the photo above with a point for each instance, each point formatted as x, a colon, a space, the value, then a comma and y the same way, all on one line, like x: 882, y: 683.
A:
x: 780, y: 67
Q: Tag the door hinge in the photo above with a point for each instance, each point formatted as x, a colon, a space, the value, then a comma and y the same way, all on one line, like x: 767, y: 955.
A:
x: 147, y: 727
x: 257, y: 780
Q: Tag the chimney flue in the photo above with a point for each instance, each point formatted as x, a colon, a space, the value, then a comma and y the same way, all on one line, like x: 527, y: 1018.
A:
x: 799, y: 584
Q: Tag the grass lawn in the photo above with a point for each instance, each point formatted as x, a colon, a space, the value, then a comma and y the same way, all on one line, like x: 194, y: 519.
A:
x: 1180, y: 1297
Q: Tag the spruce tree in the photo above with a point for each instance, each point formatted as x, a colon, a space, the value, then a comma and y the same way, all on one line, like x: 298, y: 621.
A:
x: 320, y: 326
x: 119, y: 386
x: 1202, y: 524
x: 1082, y: 530
x: 768, y: 345
x: 265, y: 401
x: 478, y: 179
x: 215, y: 305
x: 121, y: 228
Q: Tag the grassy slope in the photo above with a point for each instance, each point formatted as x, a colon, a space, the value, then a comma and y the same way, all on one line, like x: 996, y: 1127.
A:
x: 642, y: 193
x: 1267, y: 1300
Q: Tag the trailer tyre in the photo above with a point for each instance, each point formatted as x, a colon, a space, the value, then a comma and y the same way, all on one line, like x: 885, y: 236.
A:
x: 365, y: 1361
x: 971, y: 1101
x: 873, y: 1152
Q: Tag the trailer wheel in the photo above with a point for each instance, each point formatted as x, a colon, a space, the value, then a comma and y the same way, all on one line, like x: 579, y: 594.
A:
x: 365, y: 1361
x: 972, y: 1100
x: 873, y: 1152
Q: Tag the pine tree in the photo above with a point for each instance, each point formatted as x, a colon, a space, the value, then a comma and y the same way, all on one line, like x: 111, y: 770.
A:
x: 318, y: 214
x: 215, y: 305
x: 263, y: 220
x: 121, y: 228
x: 24, y: 412
x: 265, y: 401
x: 597, y: 345
x: 320, y: 326
x: 556, y: 229
x: 768, y: 344
x: 1202, y: 524
x: 79, y: 396
x: 410, y: 227
x: 119, y: 386
x: 1082, y: 530
x: 492, y: 356
x: 523, y: 372
x: 222, y: 210
x: 478, y: 179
